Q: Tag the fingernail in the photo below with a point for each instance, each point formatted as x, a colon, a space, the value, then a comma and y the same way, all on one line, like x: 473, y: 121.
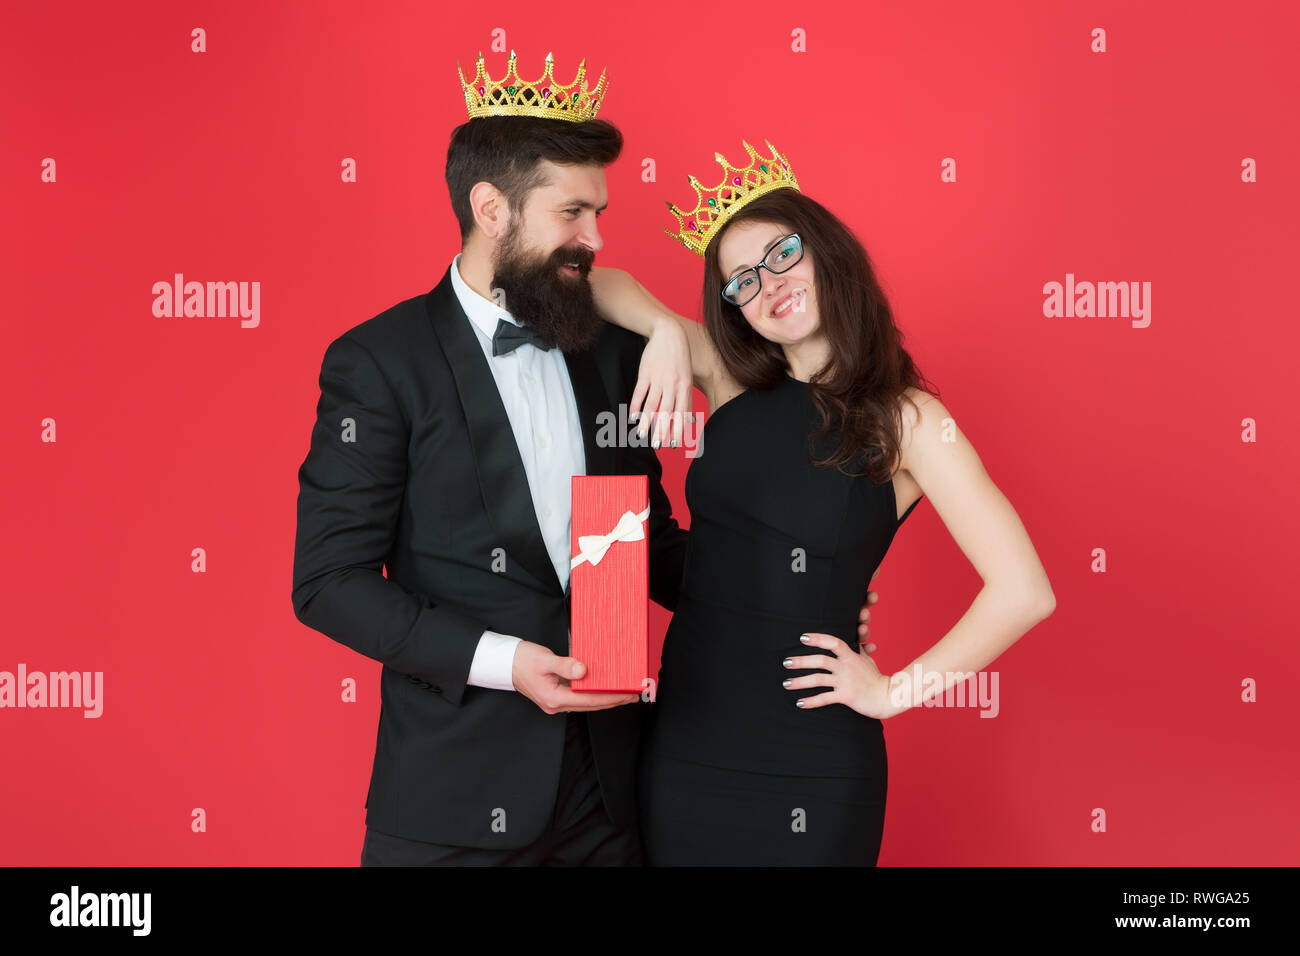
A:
x: 786, y: 682
x: 803, y: 638
x: 787, y: 662
x: 799, y: 702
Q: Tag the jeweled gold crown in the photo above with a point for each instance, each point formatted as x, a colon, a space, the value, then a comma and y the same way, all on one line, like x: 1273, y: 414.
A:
x: 512, y: 96
x: 738, y: 187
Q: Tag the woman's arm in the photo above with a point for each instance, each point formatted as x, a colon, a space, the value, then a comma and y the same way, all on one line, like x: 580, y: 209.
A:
x: 1016, y: 594
x: 627, y: 303
x: 678, y: 353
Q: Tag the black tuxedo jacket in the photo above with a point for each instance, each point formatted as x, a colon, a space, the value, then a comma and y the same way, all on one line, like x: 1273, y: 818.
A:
x: 413, y: 467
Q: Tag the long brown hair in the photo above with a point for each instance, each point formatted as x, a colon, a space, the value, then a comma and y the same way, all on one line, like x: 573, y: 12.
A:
x: 859, y: 392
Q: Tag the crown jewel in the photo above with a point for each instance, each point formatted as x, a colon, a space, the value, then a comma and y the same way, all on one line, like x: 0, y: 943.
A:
x: 512, y: 96
x: 713, y: 206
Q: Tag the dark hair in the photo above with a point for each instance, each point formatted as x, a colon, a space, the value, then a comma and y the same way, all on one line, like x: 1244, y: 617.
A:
x: 860, y: 391
x: 505, y: 150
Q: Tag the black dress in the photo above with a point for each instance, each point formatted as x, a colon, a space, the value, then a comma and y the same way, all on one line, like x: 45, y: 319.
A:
x: 732, y: 772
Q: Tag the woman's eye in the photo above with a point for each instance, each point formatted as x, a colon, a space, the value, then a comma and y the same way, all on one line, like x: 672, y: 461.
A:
x: 785, y: 251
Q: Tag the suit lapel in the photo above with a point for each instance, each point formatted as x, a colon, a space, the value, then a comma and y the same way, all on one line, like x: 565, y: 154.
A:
x: 500, y: 468
x: 590, y: 395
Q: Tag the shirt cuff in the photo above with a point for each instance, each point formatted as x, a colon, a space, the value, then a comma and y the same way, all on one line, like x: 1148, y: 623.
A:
x: 494, y: 661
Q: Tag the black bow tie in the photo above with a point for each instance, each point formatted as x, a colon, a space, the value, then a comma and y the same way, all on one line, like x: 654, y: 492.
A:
x: 509, y: 337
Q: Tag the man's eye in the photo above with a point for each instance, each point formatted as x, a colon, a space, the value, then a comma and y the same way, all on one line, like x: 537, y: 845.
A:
x: 573, y: 212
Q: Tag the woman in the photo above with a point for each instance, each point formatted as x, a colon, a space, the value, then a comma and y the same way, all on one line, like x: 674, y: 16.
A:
x: 766, y: 745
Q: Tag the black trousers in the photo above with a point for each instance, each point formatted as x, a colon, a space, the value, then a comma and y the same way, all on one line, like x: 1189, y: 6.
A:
x: 580, y: 832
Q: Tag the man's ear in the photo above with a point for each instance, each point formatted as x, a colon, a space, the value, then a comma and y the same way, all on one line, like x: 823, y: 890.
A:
x: 491, y: 211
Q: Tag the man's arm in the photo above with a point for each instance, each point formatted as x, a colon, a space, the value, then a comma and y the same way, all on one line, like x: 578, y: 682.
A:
x: 350, y: 492
x: 494, y: 661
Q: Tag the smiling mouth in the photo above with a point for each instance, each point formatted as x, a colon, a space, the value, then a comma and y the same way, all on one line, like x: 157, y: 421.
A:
x: 571, y: 268
x: 783, y: 308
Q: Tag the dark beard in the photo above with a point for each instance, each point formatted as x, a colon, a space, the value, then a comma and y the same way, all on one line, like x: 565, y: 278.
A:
x: 559, y: 308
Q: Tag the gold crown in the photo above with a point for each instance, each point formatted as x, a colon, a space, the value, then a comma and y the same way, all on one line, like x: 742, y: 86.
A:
x: 738, y: 187
x: 512, y: 96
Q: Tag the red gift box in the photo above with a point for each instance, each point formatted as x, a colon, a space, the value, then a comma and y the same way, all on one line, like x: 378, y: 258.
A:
x: 609, y: 587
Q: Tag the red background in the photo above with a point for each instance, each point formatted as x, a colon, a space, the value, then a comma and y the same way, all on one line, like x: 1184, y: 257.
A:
x: 181, y: 433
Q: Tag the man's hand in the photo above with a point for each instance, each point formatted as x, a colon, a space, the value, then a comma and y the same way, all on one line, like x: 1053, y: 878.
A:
x: 543, y: 677
x: 864, y: 618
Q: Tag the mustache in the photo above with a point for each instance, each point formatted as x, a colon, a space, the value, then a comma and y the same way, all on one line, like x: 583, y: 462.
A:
x: 581, y: 256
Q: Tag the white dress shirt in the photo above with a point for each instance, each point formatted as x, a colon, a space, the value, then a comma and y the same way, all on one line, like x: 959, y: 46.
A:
x: 538, y: 396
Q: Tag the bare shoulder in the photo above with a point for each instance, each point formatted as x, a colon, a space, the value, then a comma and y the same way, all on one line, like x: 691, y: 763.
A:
x: 711, y: 375
x: 706, y: 365
x: 919, y: 412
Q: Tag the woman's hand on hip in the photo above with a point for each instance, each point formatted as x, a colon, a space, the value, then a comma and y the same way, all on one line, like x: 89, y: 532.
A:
x: 854, y: 680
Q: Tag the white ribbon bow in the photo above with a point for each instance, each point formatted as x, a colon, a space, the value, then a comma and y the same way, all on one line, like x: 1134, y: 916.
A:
x: 592, y: 547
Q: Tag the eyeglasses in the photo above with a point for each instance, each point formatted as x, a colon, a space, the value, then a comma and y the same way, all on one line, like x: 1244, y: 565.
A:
x: 781, y: 257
